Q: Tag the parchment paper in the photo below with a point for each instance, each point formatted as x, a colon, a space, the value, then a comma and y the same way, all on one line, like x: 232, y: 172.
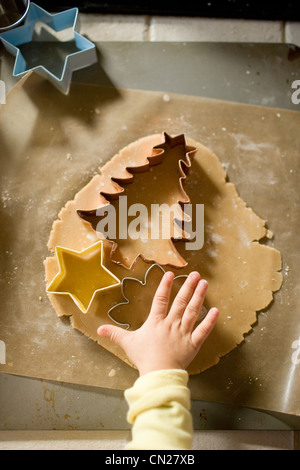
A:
x: 43, y: 165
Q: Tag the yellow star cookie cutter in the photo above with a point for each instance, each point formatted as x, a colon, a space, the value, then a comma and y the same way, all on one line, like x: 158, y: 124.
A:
x: 81, y: 274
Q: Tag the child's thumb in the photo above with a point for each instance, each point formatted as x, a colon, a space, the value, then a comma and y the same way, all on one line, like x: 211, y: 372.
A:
x: 114, y: 333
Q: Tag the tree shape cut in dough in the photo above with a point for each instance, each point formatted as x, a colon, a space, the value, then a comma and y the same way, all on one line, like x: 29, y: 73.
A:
x: 156, y: 194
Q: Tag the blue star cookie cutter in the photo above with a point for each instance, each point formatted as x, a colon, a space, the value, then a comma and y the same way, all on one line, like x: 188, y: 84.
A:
x: 84, y: 56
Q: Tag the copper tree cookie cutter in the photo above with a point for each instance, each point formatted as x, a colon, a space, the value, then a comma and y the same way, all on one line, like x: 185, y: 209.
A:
x: 159, y: 152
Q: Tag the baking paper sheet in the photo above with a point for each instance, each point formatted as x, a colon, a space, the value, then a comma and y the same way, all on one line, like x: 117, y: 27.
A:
x: 44, y: 164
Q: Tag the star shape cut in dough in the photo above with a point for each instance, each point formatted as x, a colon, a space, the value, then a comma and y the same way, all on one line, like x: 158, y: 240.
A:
x: 81, y: 274
x: 84, y: 53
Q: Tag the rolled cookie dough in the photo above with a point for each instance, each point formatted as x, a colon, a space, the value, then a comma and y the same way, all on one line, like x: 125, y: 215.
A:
x: 241, y: 271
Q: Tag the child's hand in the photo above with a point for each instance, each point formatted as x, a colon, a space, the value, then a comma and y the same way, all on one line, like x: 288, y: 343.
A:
x: 167, y: 340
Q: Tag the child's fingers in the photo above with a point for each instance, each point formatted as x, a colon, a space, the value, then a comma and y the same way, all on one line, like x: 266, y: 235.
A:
x: 202, y: 331
x: 162, y: 295
x: 183, y: 296
x: 194, y: 307
x: 116, y: 334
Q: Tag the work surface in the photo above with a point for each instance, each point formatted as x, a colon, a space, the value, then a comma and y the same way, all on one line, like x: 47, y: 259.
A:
x: 240, y: 74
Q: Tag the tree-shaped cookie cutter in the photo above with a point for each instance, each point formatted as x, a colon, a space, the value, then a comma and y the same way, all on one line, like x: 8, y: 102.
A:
x: 158, y: 156
x: 143, y: 283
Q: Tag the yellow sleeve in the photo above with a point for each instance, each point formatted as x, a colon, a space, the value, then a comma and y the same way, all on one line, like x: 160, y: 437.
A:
x: 159, y: 410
